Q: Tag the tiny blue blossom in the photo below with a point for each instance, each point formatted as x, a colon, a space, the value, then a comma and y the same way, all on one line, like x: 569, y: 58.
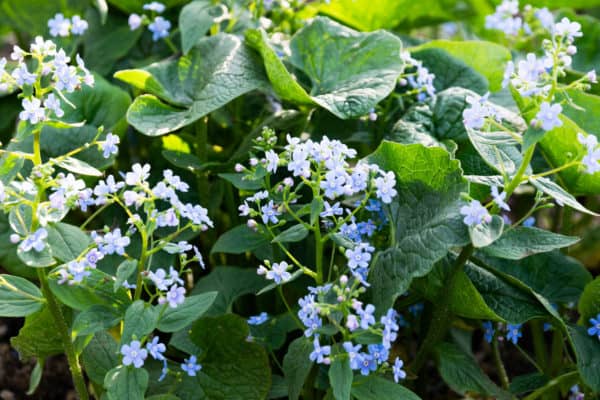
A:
x: 258, y: 319
x: 175, y: 296
x: 488, y: 331
x: 155, y: 6
x: 32, y: 111
x: 156, y: 349
x: 397, y: 370
x: 133, y: 353
x: 353, y: 354
x: 475, y: 214
x: 59, y: 25
x: 269, y: 213
x: 379, y: 352
x: 272, y: 161
x: 366, y: 316
x: 113, y: 243
x: 279, y: 272
x: 514, y: 332
x: 35, y: 241
x: 134, y: 21
x: 159, y: 28
x: 594, y: 330
x: 191, y: 366
x: 499, y: 199
x: 547, y: 117
x: 110, y: 145
x: 529, y: 222
x: 360, y: 256
x: 320, y: 353
x: 386, y: 187
x: 331, y: 210
x: 367, y: 365
x: 78, y: 25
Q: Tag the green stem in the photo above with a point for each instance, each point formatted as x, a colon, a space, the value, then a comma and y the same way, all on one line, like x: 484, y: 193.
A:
x: 141, y: 265
x: 442, y: 316
x: 201, y: 130
x: 499, y: 364
x: 554, y: 382
x: 319, y: 255
x: 516, y: 181
x: 53, y: 305
x: 539, y: 344
x: 63, y: 330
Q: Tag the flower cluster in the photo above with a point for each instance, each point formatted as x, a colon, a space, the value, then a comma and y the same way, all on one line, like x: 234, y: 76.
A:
x: 506, y: 18
x: 337, y: 306
x: 64, y: 27
x: 419, y: 79
x: 591, y: 160
x: 513, y: 332
x: 324, y: 168
x: 158, y: 25
x: 42, y: 95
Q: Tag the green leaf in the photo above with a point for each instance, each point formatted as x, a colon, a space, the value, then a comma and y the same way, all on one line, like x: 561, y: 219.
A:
x: 527, y: 383
x: 66, y: 241
x: 425, y: 216
x: 193, y: 307
x: 124, y: 271
x: 557, y: 277
x: 229, y: 283
x: 350, y: 72
x: 100, y: 356
x: 450, y: 72
x: 96, y: 289
x: 368, y: 15
x: 532, y: 136
x: 561, y: 146
x: 293, y: 234
x: 39, y: 337
x: 239, y: 240
x: 498, y: 149
x: 340, y: 377
x: 217, y: 70
x: 94, y: 319
x: 487, y: 58
x: 520, y: 242
x: 19, y: 219
x: 183, y: 160
x: 377, y: 388
x: 486, y: 233
x: 461, y: 372
x: 297, y: 366
x: 195, y: 19
x: 238, y: 181
x: 19, y: 297
x: 232, y: 367
x: 513, y: 303
x: 107, y: 42
x: 589, y: 302
x: 559, y: 194
x: 36, y: 376
x: 78, y: 167
x: 141, y: 318
x: 126, y: 383
x: 283, y: 83
x: 587, y: 349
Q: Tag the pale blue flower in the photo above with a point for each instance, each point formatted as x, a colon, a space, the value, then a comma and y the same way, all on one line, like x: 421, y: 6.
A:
x: 32, y: 111
x: 272, y: 161
x: 156, y: 349
x: 35, y: 241
x: 258, y: 319
x: 134, y: 21
x: 279, y: 272
x: 53, y: 103
x: 514, y: 332
x: 269, y: 213
x: 397, y: 370
x: 59, y: 25
x: 320, y: 353
x: 475, y: 214
x: 155, y: 6
x: 331, y: 210
x: 367, y: 364
x: 353, y: 354
x: 360, y: 256
x: 159, y: 28
x: 175, y: 296
x: 379, y: 352
x: 386, y: 187
x: 499, y: 198
x: 110, y: 145
x: 594, y: 330
x: 138, y: 174
x: 547, y: 117
x: 133, y: 353
x: 488, y: 331
x: 78, y: 25
x: 191, y: 366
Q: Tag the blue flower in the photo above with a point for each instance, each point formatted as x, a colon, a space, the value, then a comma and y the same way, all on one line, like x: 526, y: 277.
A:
x: 134, y: 21
x: 159, y: 28
x: 191, y: 366
x: 78, y: 25
x: 175, y: 296
x: 386, y: 187
x: 35, y: 241
x: 592, y: 158
x: 499, y: 198
x: 489, y: 331
x: 475, y: 213
x: 594, y: 330
x: 366, y: 316
x: 398, y: 371
x: 59, y: 25
x: 272, y: 161
x: 547, y: 117
x: 360, y: 256
x: 353, y: 354
x: 155, y: 6
x: 514, y: 332
x: 156, y: 349
x: 331, y: 210
x: 258, y: 319
x: 379, y: 352
x: 109, y: 146
x: 133, y: 353
x: 278, y: 272
x: 367, y: 364
x: 529, y: 222
x: 320, y: 353
x: 113, y: 243
x: 269, y: 213
x: 334, y: 184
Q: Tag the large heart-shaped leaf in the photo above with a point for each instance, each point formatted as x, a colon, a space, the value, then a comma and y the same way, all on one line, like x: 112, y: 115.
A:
x: 349, y: 71
x: 217, y: 70
x: 232, y: 368
x: 425, y: 218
